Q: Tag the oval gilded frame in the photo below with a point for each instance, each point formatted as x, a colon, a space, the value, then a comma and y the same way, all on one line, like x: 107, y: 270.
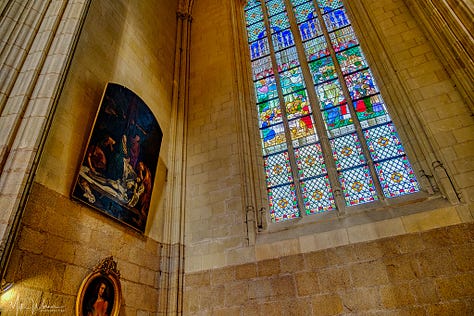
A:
x: 107, y: 274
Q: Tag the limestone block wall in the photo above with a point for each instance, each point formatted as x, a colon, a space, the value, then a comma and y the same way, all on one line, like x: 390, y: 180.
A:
x: 60, y: 243
x: 428, y: 273
x: 127, y: 42
x: 433, y: 120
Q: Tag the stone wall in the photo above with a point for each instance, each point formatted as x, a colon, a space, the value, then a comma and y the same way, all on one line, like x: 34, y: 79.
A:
x: 429, y: 273
x: 60, y: 242
x: 133, y: 44
x: 432, y: 119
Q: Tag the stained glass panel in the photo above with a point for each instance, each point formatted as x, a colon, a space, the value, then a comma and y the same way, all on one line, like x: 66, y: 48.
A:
x: 253, y: 15
x: 259, y: 48
x: 302, y: 131
x: 275, y: 7
x: 287, y: 58
x: 291, y: 80
x: 297, y: 104
x: 347, y: 151
x: 273, y: 135
x: 310, y: 29
x: 252, y: 3
x: 269, y: 113
x: 283, y: 203
x: 329, y: 5
x: 351, y: 60
x: 266, y: 89
x: 279, y: 22
x: 391, y: 165
x: 330, y: 94
x: 316, y: 48
x: 262, y: 68
x: 283, y: 39
x: 322, y: 70
x: 383, y: 142
x: 317, y: 195
x: 336, y: 19
x: 310, y: 161
x: 371, y: 111
x: 337, y: 117
x: 361, y: 84
x: 277, y: 169
x: 343, y: 38
x: 256, y: 31
x: 397, y: 177
x: 304, y: 12
x: 358, y: 186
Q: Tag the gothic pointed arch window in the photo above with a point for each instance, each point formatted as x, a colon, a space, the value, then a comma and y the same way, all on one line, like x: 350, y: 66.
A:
x: 328, y: 141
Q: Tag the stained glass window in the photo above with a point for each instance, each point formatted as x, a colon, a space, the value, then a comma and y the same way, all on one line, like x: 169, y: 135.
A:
x: 323, y: 123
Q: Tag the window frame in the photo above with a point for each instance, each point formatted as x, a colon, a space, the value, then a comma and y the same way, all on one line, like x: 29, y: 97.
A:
x: 346, y: 215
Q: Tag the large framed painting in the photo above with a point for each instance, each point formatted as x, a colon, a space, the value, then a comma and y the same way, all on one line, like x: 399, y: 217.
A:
x: 119, y: 164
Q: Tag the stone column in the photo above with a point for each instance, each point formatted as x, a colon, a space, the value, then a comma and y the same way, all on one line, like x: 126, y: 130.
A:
x: 449, y: 24
x: 172, y: 260
x: 37, y: 40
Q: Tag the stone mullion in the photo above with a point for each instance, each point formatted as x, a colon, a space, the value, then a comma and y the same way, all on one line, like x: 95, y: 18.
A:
x: 45, y: 70
x: 289, y: 143
x: 318, y: 116
x: 350, y: 105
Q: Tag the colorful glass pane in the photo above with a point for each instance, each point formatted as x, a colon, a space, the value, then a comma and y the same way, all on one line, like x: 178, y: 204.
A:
x: 256, y: 31
x: 383, y: 142
x: 336, y: 19
x: 329, y: 5
x: 351, y: 60
x: 266, y: 89
x: 310, y: 161
x: 304, y: 12
x: 339, y: 131
x: 297, y: 104
x: 361, y: 84
x: 277, y: 169
x: 259, y: 48
x: 316, y: 48
x: 287, y: 58
x: 397, y: 177
x: 358, y: 186
x: 343, y: 38
x: 310, y: 29
x: 252, y: 3
x: 291, y: 80
x: 295, y: 3
x: 330, y: 94
x: 317, y: 195
x: 322, y: 70
x: 275, y: 6
x: 347, y: 151
x: 273, y: 136
x: 283, y: 39
x: 254, y: 15
x: 283, y: 203
x: 262, y: 68
x: 279, y: 22
x: 371, y: 111
x: 302, y: 131
x: 337, y: 117
x: 269, y: 113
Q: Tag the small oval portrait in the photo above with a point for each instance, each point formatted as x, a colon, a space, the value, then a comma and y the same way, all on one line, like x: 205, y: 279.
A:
x: 99, y: 295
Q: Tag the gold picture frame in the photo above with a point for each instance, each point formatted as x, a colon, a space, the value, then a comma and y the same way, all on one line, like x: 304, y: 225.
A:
x: 100, y: 291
